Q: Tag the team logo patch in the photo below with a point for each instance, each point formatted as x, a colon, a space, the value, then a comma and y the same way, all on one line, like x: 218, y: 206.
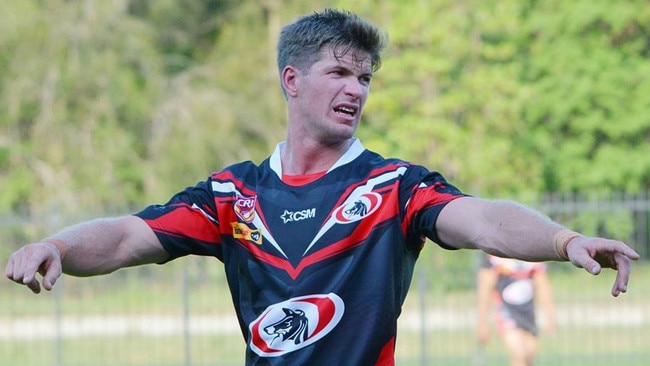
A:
x: 296, y: 323
x: 245, y: 207
x: 357, y: 208
x: 242, y: 231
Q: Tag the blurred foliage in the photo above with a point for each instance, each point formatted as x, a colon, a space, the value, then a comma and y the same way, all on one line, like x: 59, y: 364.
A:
x: 117, y: 104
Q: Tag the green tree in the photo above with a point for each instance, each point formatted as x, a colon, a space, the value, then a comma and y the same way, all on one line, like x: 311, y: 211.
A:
x: 123, y: 103
x: 588, y: 74
x: 78, y: 83
x: 448, y: 95
x: 184, y: 31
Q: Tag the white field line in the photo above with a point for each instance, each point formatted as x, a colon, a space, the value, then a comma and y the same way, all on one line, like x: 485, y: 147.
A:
x: 48, y: 327
x: 113, y: 325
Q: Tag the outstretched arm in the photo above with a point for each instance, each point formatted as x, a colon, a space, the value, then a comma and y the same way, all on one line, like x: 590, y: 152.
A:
x: 95, y: 247
x: 511, y: 230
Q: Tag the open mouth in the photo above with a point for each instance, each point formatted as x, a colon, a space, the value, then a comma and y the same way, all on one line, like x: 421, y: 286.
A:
x: 346, y: 110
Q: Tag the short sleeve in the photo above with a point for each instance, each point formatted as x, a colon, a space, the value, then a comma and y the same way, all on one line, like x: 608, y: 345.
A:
x: 187, y: 224
x: 428, y: 196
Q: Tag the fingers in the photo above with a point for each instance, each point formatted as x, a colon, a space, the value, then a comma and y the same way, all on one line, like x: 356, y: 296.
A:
x: 582, y: 259
x: 591, y: 266
x: 33, y: 285
x: 17, y: 271
x: 624, y: 268
x: 630, y: 253
x: 50, y: 277
x: 593, y: 254
x: 31, y: 259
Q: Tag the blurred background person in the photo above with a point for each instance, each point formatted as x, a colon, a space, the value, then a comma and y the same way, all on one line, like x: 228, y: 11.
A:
x: 514, y: 289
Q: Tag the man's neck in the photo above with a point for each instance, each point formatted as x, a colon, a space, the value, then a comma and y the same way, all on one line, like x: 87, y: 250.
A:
x: 302, y: 157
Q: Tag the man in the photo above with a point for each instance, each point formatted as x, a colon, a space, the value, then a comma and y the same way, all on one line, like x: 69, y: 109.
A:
x: 515, y: 287
x: 318, y: 241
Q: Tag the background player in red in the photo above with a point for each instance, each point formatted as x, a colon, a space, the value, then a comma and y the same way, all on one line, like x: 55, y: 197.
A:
x: 318, y: 241
x: 514, y: 289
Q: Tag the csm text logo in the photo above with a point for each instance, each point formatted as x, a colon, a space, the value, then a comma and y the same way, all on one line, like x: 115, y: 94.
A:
x: 289, y: 216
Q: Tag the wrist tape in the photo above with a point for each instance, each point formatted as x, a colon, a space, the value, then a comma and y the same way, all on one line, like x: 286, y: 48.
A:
x: 560, y: 241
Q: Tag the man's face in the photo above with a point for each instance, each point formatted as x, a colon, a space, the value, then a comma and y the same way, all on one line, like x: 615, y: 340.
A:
x: 332, y: 94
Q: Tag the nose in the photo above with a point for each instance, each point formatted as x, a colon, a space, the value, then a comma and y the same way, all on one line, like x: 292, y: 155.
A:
x: 354, y: 88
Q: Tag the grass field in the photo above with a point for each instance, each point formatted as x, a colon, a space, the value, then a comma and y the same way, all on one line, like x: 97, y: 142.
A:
x: 594, y: 328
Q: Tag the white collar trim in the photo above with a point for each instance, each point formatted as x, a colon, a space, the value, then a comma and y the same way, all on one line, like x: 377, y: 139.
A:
x: 355, y: 149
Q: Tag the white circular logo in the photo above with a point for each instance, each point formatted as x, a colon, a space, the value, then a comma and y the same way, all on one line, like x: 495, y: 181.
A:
x: 296, y: 323
x: 357, y: 208
x: 518, y: 292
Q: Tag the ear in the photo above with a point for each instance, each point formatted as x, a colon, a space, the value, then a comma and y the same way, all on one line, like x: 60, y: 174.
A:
x: 289, y: 80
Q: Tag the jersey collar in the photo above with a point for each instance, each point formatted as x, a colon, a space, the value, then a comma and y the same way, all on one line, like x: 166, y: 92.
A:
x: 355, y: 149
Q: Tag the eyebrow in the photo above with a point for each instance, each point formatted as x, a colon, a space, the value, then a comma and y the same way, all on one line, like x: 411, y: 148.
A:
x: 363, y: 71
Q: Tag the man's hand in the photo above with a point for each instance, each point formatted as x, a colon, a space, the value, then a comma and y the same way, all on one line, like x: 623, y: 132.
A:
x: 593, y: 254
x: 43, y: 258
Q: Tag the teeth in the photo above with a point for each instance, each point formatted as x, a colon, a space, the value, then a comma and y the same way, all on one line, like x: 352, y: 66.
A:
x: 347, y: 110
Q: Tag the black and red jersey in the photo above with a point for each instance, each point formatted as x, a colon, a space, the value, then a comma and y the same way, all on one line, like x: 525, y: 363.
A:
x: 515, y: 292
x: 318, y: 272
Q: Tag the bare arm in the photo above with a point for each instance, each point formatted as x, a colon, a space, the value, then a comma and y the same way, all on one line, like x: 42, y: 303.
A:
x: 511, y: 230
x: 92, y: 248
x: 502, y: 228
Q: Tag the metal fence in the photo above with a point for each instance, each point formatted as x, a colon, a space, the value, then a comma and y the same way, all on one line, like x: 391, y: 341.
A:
x: 619, y: 215
x: 181, y: 313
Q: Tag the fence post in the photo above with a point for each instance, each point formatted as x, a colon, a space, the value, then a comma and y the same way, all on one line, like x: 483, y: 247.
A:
x: 58, y: 316
x: 422, y: 288
x: 186, y: 316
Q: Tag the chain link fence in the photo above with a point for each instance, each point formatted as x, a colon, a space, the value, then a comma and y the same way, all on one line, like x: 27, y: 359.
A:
x: 181, y: 313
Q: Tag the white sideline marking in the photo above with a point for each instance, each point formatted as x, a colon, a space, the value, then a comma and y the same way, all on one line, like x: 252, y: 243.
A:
x: 47, y: 327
